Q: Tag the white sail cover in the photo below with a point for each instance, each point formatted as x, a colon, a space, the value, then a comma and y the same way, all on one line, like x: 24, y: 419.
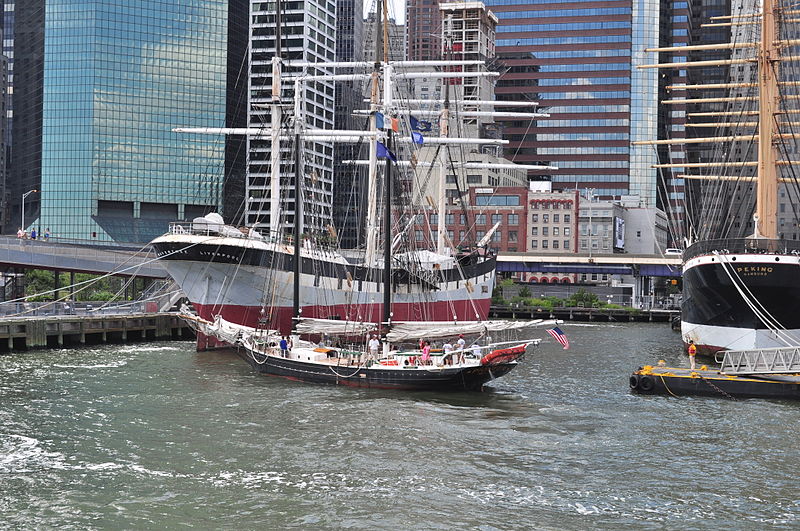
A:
x: 405, y: 331
x: 309, y: 325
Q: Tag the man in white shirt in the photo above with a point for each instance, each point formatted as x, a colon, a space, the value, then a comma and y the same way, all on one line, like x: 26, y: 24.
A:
x: 374, y: 346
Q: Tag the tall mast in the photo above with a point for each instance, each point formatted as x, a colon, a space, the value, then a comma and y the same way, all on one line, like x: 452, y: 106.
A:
x: 372, y: 179
x: 387, y: 184
x: 767, y: 187
x: 275, y: 145
x: 444, y: 130
x: 298, y: 205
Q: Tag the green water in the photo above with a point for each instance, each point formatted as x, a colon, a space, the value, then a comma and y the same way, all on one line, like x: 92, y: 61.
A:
x: 157, y: 436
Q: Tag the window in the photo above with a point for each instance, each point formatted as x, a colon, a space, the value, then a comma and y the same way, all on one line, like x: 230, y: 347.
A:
x: 462, y: 219
x: 555, y: 244
x: 513, y: 219
x: 480, y: 219
x: 534, y: 244
x: 497, y: 200
x: 566, y: 231
x: 544, y: 244
x: 480, y: 234
x: 497, y: 236
x: 556, y: 218
x: 418, y: 235
x: 583, y: 244
x: 512, y: 236
x: 545, y: 231
x: 545, y: 218
x: 535, y: 218
x: 566, y: 244
x: 497, y: 218
x: 555, y: 231
x: 449, y: 219
x: 566, y: 218
x: 451, y: 235
x: 434, y: 219
x: 534, y: 231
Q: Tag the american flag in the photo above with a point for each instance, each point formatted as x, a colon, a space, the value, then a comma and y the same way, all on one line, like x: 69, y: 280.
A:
x: 559, y: 336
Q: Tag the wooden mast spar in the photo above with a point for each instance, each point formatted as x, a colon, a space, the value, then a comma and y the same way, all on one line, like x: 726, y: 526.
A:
x: 766, y: 223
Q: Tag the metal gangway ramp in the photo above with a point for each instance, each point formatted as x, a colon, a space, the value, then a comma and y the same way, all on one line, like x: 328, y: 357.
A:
x: 781, y: 360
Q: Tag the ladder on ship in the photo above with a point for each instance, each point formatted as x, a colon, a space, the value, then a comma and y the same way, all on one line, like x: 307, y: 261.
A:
x: 781, y: 360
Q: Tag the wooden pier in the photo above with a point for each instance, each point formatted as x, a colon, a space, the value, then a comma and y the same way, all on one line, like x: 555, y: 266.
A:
x: 23, y: 333
x: 585, y: 314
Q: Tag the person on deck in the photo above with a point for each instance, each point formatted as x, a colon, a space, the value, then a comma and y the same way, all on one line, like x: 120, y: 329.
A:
x: 476, y: 350
x: 426, y: 353
x: 47, y: 234
x: 374, y: 346
x: 447, y: 349
x: 33, y: 234
x: 692, y: 352
x: 284, y: 346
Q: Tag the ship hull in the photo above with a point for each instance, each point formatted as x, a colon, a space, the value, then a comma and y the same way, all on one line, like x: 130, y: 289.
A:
x: 417, y: 378
x: 254, y: 287
x: 733, y: 300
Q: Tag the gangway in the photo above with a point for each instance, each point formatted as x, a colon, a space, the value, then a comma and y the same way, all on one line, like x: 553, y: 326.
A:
x: 781, y: 360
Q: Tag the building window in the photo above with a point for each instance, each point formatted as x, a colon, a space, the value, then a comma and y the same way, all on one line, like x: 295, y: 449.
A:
x: 451, y: 235
x: 583, y: 244
x: 566, y: 231
x: 566, y: 218
x: 462, y: 219
x: 566, y: 244
x: 545, y: 218
x: 534, y: 244
x: 535, y: 218
x: 534, y: 231
x: 497, y: 236
x: 513, y: 219
x: 555, y: 231
x: 556, y: 218
x: 512, y: 236
x: 545, y: 231
x: 497, y: 218
x: 449, y: 219
x: 544, y: 244
x: 480, y: 219
x: 480, y: 234
x: 434, y: 219
x: 418, y: 235
x: 555, y: 244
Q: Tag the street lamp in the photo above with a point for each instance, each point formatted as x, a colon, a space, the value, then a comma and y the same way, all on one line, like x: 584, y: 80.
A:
x: 26, y: 194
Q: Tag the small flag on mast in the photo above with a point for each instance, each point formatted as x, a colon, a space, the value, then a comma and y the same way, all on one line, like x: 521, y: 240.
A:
x: 559, y: 336
x: 385, y: 153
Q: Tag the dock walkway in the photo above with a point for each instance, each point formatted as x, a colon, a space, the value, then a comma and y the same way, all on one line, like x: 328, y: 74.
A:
x: 22, y: 333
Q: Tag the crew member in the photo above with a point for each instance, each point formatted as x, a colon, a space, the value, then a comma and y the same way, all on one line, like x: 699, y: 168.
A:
x: 692, y: 353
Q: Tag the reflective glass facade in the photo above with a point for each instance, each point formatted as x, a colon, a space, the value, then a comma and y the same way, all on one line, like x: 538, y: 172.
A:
x: 574, y: 58
x: 116, y: 77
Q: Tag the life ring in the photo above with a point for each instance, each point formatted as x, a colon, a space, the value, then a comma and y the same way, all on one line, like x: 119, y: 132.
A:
x: 634, y: 381
x: 646, y: 383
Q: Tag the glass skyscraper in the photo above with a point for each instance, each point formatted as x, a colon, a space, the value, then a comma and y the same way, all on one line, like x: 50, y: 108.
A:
x: 99, y: 86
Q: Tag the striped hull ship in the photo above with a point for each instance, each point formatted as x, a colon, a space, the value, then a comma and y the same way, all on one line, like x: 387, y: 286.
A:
x: 249, y: 282
x: 741, y: 294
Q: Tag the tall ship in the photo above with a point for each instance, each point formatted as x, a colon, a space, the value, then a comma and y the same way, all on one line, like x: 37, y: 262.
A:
x: 741, y: 279
x: 245, y: 275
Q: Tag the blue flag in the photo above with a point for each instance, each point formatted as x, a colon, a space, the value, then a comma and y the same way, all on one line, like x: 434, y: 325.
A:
x: 417, y: 137
x: 385, y: 153
x: 378, y: 120
x: 419, y: 125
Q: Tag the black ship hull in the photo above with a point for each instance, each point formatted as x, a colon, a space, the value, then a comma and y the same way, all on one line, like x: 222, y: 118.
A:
x: 735, y: 297
x: 418, y: 378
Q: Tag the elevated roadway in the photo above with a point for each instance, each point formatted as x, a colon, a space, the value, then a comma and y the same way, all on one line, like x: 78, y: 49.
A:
x: 80, y: 258
x: 613, y: 264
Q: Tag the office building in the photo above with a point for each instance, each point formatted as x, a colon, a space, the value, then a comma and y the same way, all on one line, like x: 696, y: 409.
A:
x: 96, y: 95
x: 575, y: 59
x: 308, y: 33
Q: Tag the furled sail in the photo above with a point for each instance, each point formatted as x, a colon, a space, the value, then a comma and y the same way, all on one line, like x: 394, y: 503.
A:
x: 405, y: 331
x: 308, y: 325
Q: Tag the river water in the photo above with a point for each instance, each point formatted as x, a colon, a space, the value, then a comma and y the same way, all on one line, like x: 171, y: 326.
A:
x: 157, y: 436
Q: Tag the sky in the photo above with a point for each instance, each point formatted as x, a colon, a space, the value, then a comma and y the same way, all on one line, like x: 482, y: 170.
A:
x: 397, y: 9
